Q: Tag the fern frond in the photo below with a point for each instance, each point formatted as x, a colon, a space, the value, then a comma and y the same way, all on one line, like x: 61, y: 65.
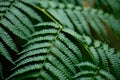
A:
x: 114, y: 62
x: 3, y: 7
x: 15, y: 18
x: 61, y: 16
x: 28, y: 11
x: 5, y: 53
x: 26, y: 69
x: 67, y: 57
x: 4, y: 3
x: 107, y: 75
x: 100, y: 54
x: 44, y: 31
x: 75, y: 21
x: 97, y: 20
x: 83, y: 73
x: 22, y: 17
x: 70, y: 45
x: 44, y: 38
x: 35, y: 46
x: 46, y: 76
x: 52, y: 24
x: 59, y: 40
x: 7, y: 39
x: 90, y: 21
x: 64, y: 59
x: 66, y: 51
x: 89, y: 64
x: 107, y: 6
x: 32, y: 53
x: 95, y: 73
x: 81, y: 41
x: 94, y: 55
x: 82, y: 21
x: 89, y: 18
x: 30, y: 60
x: 55, y: 71
x: 13, y: 28
x: 59, y: 65
x: 103, y: 58
x: 17, y: 23
x: 38, y: 47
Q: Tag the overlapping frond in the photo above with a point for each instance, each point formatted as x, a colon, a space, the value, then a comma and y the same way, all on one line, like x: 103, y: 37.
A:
x: 84, y: 20
x: 16, y: 25
x: 93, y: 72
x: 48, y: 51
x: 5, y: 53
x: 62, y: 41
x: 58, y: 56
x: 17, y: 16
x: 112, y: 6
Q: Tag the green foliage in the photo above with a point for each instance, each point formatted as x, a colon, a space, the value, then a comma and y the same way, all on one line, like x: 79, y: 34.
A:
x: 59, y: 40
x: 112, y: 6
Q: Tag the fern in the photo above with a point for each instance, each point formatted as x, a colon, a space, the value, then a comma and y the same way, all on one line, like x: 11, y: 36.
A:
x: 106, y: 5
x: 5, y: 53
x: 36, y: 54
x: 7, y: 39
x: 59, y: 40
x: 93, y: 73
x: 19, y: 26
x: 21, y: 6
x: 4, y: 6
x: 87, y: 15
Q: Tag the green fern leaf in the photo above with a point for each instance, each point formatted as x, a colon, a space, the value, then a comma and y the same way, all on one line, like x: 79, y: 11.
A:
x: 17, y: 23
x: 31, y: 12
x: 13, y: 28
x: 32, y: 53
x: 22, y: 17
x: 7, y: 39
x: 5, y: 53
x: 59, y: 41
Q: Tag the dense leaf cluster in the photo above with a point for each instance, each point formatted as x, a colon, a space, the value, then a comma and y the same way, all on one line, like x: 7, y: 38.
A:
x: 59, y: 40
